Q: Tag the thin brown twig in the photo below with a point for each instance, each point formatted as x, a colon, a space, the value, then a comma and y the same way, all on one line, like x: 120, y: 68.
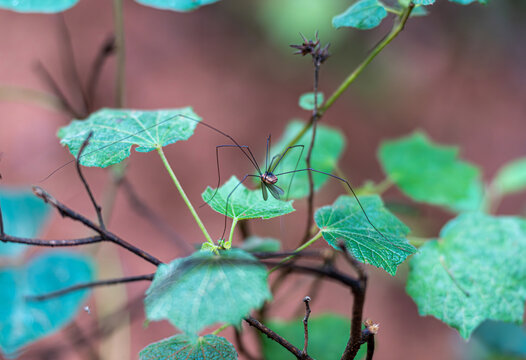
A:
x: 306, y: 300
x: 89, y: 285
x: 86, y: 186
x: 67, y: 212
x: 277, y: 338
x: 52, y: 243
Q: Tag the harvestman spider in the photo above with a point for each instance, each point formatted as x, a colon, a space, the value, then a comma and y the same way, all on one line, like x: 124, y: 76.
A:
x: 267, y: 178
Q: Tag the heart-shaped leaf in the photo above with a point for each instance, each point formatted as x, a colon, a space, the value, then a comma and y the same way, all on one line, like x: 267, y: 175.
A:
x: 37, y: 6
x: 432, y: 173
x: 115, y: 131
x: 328, y: 335
x: 345, y: 220
x: 182, y: 347
x: 24, y: 216
x: 176, y: 5
x: 306, y: 101
x: 25, y: 321
x: 244, y: 203
x: 204, y: 289
x: 511, y: 177
x: 476, y: 271
x: 328, y: 148
x: 363, y: 14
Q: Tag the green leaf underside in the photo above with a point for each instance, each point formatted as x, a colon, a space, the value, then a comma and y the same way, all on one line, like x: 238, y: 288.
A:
x: 511, y: 177
x: 245, y: 203
x: 328, y: 335
x: 23, y: 214
x: 204, y: 289
x: 432, y: 173
x: 344, y: 220
x: 260, y: 244
x: 37, y: 6
x: 176, y: 5
x: 475, y: 272
x: 363, y: 14
x: 328, y: 148
x: 182, y: 347
x: 115, y: 131
x: 25, y: 321
x: 306, y: 101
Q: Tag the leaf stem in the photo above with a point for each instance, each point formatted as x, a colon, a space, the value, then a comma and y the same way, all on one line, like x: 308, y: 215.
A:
x: 219, y: 329
x: 232, y: 228
x: 302, y: 247
x: 185, y: 198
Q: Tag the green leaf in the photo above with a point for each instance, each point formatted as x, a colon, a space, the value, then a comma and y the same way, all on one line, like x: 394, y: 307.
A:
x: 328, y: 335
x: 417, y: 11
x: 475, y: 272
x: 115, y: 131
x: 176, y: 5
x: 37, y: 6
x: 244, y: 203
x: 511, y: 177
x: 432, y: 173
x: 182, y: 347
x: 344, y: 220
x: 260, y: 244
x: 23, y: 214
x: 328, y: 147
x: 306, y: 101
x: 423, y: 2
x: 467, y: 2
x: 24, y: 321
x: 204, y: 289
x: 363, y: 14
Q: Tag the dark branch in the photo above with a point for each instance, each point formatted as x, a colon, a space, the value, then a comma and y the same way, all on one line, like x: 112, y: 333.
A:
x: 67, y: 212
x: 52, y: 243
x: 144, y: 210
x: 274, y: 336
x: 371, y: 329
x: 124, y: 280
x: 86, y: 186
x: 306, y: 300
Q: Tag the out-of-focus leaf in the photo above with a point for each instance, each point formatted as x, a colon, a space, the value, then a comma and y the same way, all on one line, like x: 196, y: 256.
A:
x: 363, y: 14
x: 204, y: 289
x: 24, y: 216
x: 182, y: 347
x: 115, y: 131
x: 260, y: 244
x: 419, y: 10
x: 245, y: 203
x: 511, y: 177
x: 306, y: 101
x: 432, y: 173
x: 467, y: 2
x: 345, y: 220
x: 328, y: 148
x: 37, y: 6
x: 176, y: 5
x: 502, y: 338
x: 24, y: 321
x: 476, y: 271
x: 328, y: 335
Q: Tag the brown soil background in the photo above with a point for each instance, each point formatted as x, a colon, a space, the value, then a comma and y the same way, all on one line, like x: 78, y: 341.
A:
x: 458, y: 74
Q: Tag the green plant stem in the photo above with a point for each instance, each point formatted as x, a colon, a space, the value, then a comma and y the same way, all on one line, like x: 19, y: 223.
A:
x: 398, y: 26
x: 219, y: 329
x: 120, y: 80
x: 183, y: 195
x: 302, y: 247
x: 231, y: 236
x: 417, y: 241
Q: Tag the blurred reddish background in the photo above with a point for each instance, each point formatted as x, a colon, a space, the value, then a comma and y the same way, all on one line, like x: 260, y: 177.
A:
x: 458, y: 74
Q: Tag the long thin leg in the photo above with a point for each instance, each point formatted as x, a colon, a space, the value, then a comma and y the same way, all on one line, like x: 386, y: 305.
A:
x: 295, y: 168
x: 219, y: 172
x: 267, y: 153
x: 228, y: 200
x: 354, y: 194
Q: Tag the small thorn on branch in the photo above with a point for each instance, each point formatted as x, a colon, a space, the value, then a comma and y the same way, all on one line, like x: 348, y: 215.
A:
x: 306, y: 300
